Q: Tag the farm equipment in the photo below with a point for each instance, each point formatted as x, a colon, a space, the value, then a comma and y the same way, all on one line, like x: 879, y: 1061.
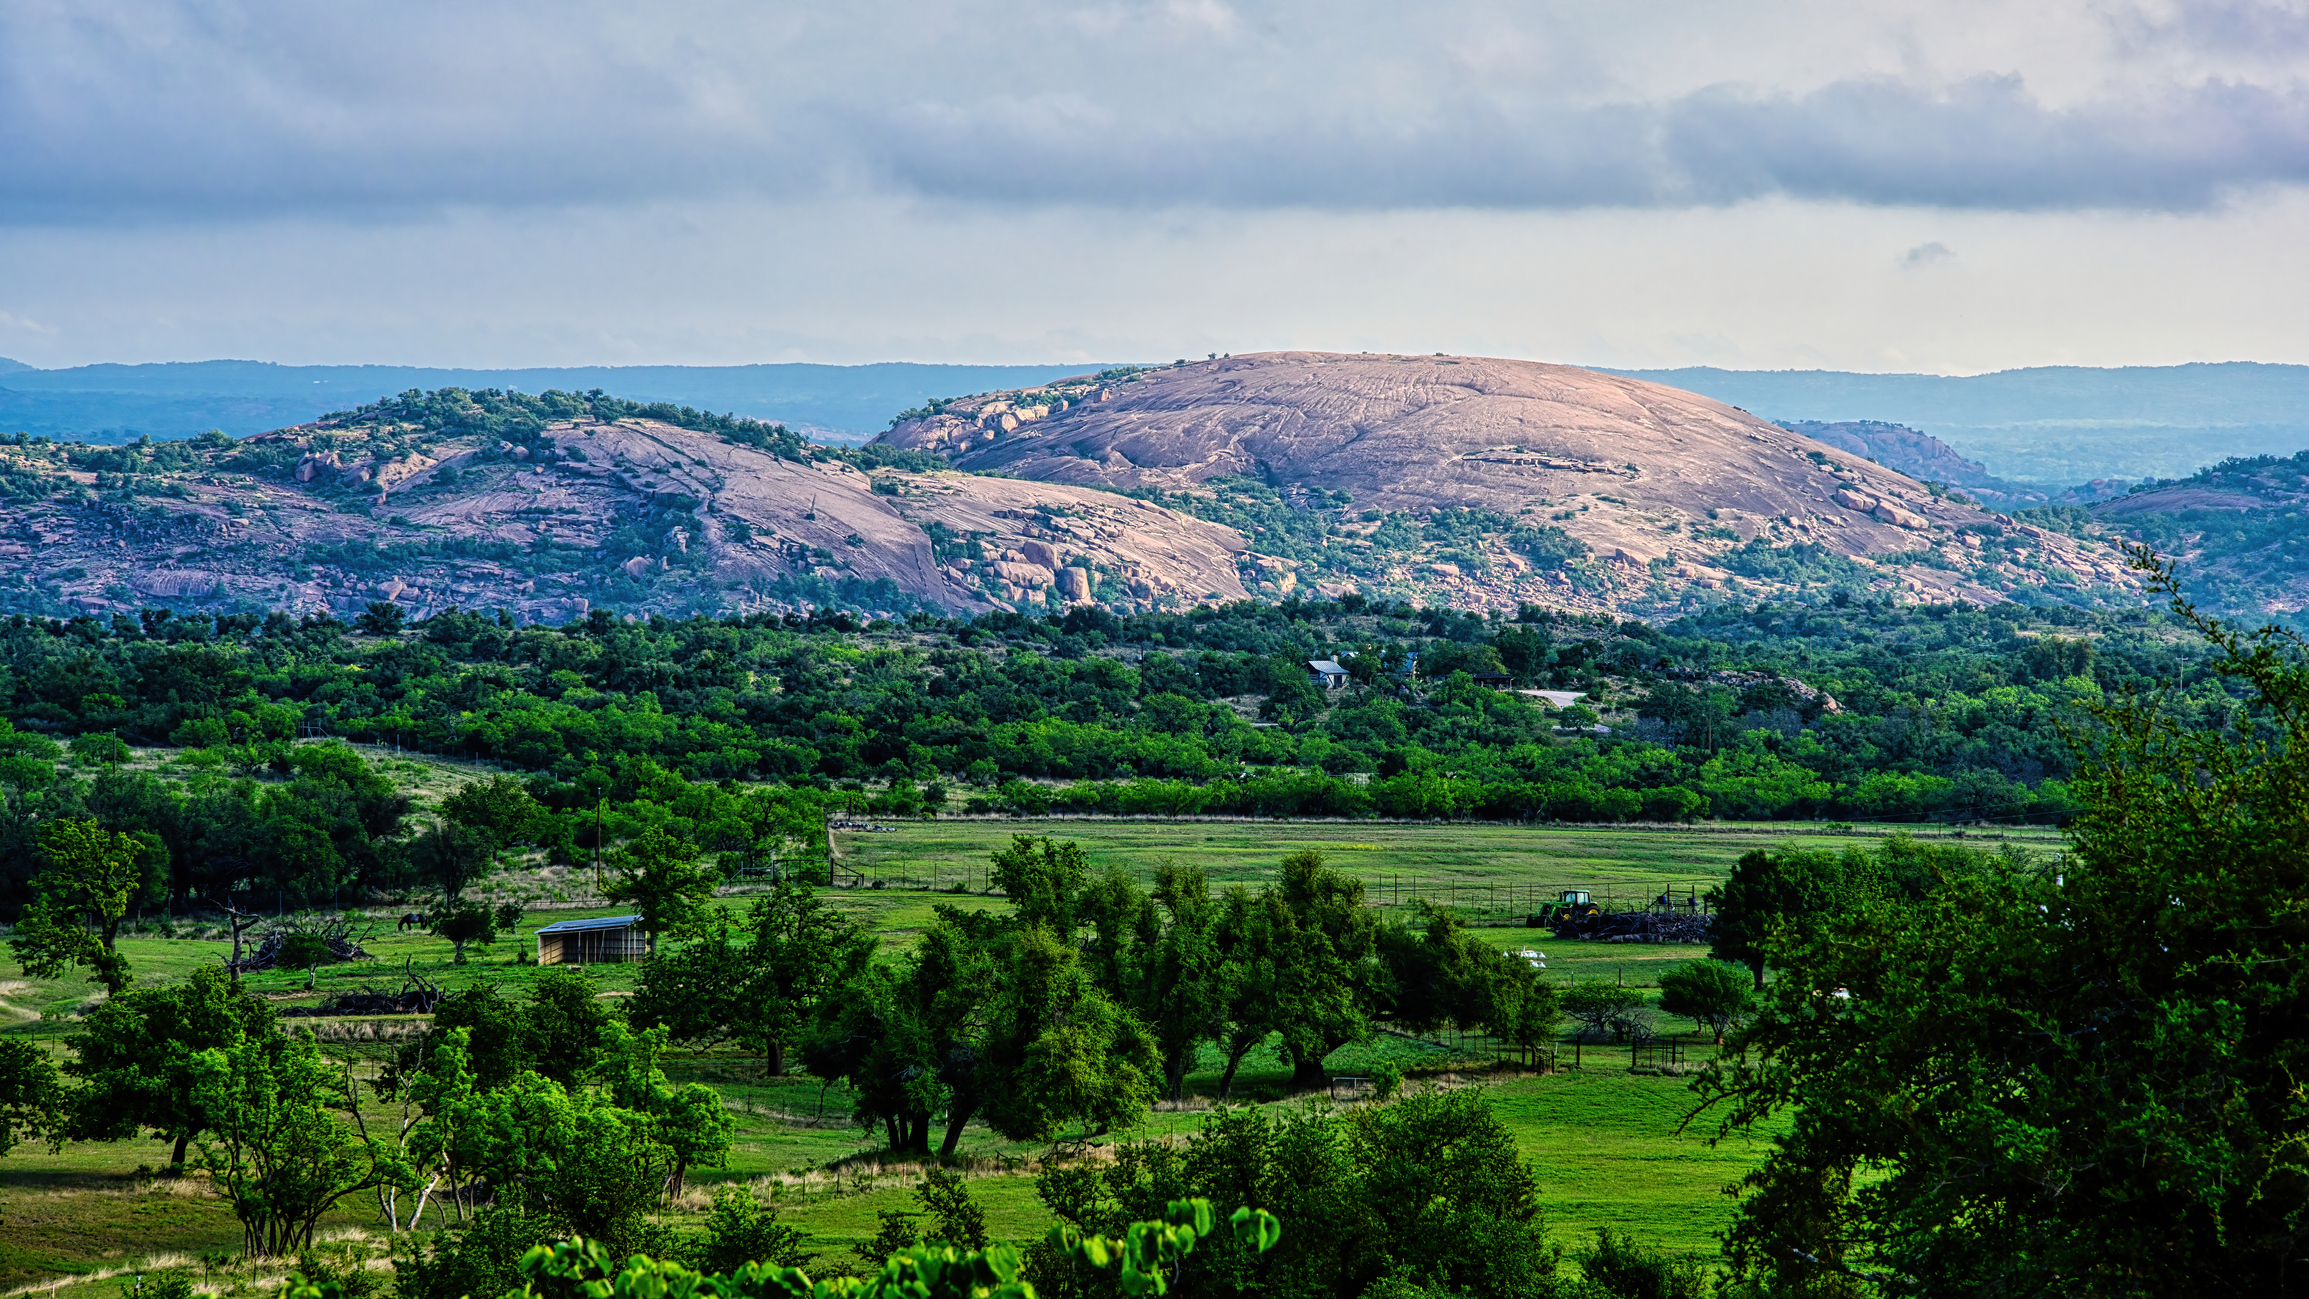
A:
x: 1573, y: 902
x: 1664, y: 921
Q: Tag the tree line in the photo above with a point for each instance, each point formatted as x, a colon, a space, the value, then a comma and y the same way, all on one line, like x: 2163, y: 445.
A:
x: 1088, y: 999
x: 1939, y: 713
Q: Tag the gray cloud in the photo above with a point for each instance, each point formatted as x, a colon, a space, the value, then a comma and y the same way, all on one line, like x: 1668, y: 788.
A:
x: 2252, y: 28
x: 1925, y: 255
x: 116, y: 112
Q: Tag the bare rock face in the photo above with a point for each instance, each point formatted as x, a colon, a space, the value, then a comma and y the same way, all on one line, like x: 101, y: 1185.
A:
x: 636, y: 516
x: 1659, y: 484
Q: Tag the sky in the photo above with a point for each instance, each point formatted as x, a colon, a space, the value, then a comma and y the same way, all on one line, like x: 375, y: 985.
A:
x: 1945, y: 187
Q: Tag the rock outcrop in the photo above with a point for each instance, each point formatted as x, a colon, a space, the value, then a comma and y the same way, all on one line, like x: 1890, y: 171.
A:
x: 636, y: 516
x: 1662, y: 487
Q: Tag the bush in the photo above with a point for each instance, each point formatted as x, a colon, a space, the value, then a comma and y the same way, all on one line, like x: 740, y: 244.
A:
x: 481, y: 1257
x: 200, y: 733
x: 1386, y: 1080
x: 1623, y: 1269
x: 741, y: 1229
x: 158, y: 1285
x: 303, y: 952
x: 347, y: 1274
x: 95, y: 748
x: 1606, y: 1010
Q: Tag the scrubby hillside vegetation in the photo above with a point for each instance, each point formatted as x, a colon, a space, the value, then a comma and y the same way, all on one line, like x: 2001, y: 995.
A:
x: 1853, y: 711
x: 2239, y: 529
x: 550, y: 505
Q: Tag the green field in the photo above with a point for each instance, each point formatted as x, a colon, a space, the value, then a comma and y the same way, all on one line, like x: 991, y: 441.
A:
x: 1606, y: 1142
x: 1481, y: 868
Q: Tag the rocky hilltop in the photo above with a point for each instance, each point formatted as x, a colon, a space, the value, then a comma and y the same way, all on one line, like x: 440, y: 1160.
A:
x: 1455, y: 481
x: 631, y: 514
x: 1481, y: 482
x: 2238, y: 530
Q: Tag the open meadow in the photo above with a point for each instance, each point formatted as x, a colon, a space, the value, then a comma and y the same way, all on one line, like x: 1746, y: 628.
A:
x: 1612, y: 1148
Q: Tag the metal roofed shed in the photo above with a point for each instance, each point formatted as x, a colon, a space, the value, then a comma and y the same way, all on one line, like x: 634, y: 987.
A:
x: 1326, y: 673
x: 592, y: 942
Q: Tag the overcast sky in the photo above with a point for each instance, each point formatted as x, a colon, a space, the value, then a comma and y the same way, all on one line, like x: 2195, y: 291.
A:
x: 1950, y: 186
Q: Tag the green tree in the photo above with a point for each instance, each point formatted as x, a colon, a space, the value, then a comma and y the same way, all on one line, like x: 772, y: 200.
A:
x: 497, y: 1052
x: 561, y: 1027
x: 1143, y: 1262
x: 463, y: 922
x: 450, y: 857
x: 1605, y: 1010
x: 499, y: 807
x: 137, y: 1057
x: 760, y: 985
x: 281, y: 1155
x: 911, y: 1037
x: 1624, y: 1268
x: 1439, y: 972
x: 690, y: 1120
x: 31, y: 1100
x: 557, y: 1034
x: 78, y: 902
x: 1774, y: 887
x: 1060, y: 1052
x: 381, y: 618
x: 660, y: 876
x: 2082, y: 1080
x: 1428, y: 1194
x: 464, y: 1261
x: 1044, y: 881
x: 1321, y: 947
x: 1183, y: 983
x: 573, y: 1159
x: 955, y: 1218
x: 1712, y: 994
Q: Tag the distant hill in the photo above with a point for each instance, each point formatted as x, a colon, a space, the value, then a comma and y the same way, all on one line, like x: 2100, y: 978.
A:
x: 119, y: 403
x: 2049, y: 426
x: 2040, y: 430
x: 1479, y: 482
x: 2239, y: 531
x: 551, y: 509
x: 1930, y: 460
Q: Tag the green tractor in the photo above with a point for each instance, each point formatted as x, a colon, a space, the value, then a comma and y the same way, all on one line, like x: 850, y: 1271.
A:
x: 1573, y: 902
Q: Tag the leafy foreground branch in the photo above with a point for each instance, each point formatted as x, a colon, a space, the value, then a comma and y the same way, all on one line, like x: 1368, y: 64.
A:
x: 2083, y: 1079
x: 1147, y: 1260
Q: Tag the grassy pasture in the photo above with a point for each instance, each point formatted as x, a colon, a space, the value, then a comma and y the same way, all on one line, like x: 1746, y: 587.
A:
x: 1483, y: 869
x: 1606, y: 1142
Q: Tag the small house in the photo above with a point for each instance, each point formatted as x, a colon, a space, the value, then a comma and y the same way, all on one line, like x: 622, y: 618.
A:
x: 1495, y: 680
x: 592, y: 942
x: 1326, y: 673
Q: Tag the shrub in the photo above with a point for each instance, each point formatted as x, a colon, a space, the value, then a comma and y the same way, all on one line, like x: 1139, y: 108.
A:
x: 741, y: 1229
x: 1624, y: 1269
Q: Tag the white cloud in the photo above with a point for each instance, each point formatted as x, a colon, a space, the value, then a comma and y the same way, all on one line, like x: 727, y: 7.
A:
x: 156, y: 111
x: 534, y: 182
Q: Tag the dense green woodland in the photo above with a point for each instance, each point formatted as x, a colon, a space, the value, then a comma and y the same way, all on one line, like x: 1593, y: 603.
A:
x: 1941, y: 713
x: 1971, y: 1073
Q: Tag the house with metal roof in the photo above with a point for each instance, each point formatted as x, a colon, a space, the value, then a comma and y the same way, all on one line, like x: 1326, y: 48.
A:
x: 591, y: 942
x: 1326, y: 673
